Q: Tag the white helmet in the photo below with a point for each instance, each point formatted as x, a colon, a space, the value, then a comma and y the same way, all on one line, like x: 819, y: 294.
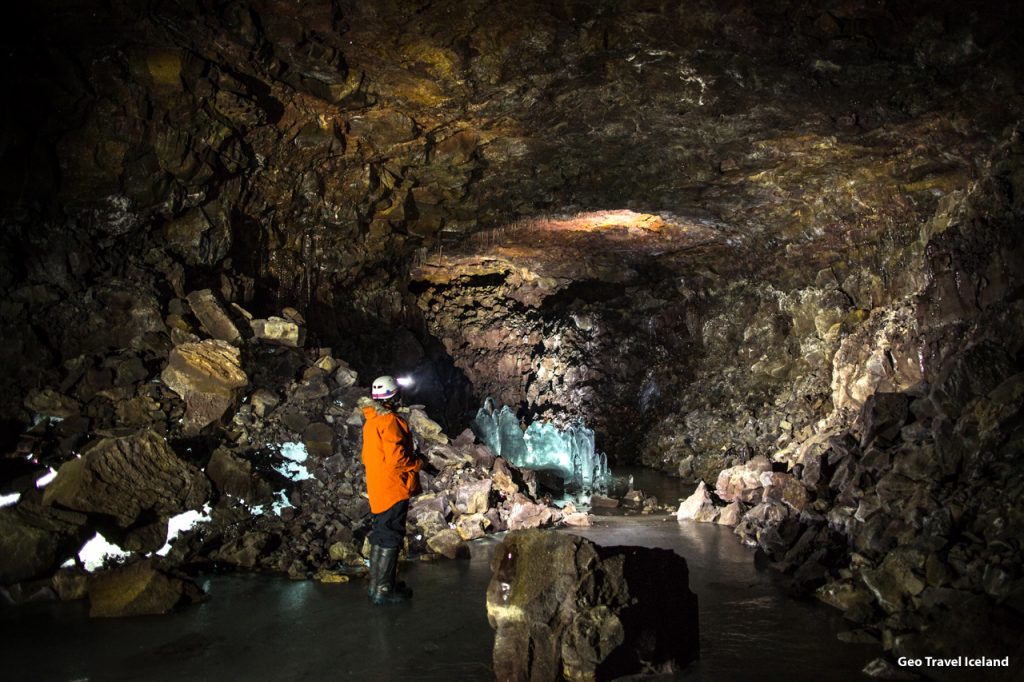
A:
x: 384, y: 387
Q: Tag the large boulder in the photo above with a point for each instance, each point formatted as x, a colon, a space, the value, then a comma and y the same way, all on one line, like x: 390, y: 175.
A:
x: 138, y: 590
x: 32, y: 545
x: 207, y: 375
x: 125, y: 478
x: 563, y: 607
x: 213, y: 317
x: 699, y: 506
x: 743, y: 482
x: 279, y: 331
x: 234, y: 476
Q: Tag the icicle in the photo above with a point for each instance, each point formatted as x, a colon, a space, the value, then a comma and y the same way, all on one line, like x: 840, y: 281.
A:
x: 570, y: 452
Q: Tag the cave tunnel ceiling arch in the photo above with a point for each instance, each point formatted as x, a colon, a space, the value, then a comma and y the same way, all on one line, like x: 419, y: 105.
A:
x: 668, y: 219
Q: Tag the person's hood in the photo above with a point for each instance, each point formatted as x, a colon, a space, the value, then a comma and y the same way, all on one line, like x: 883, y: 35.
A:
x: 375, y: 408
x: 372, y: 408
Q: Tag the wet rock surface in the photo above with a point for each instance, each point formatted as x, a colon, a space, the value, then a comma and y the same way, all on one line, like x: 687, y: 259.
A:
x: 565, y: 608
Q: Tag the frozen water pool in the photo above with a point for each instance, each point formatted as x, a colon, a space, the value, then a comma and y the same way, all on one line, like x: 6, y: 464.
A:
x: 258, y: 627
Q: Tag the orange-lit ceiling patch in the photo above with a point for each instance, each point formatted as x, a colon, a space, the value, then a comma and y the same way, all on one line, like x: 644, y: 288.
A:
x: 594, y: 221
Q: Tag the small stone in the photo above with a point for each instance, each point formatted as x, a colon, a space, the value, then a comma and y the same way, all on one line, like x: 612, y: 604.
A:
x: 329, y: 578
x: 263, y: 402
x: 578, y: 519
x: 450, y: 544
x: 71, y: 584
x: 471, y: 526
x: 346, y: 553
x: 843, y: 595
x: 345, y: 377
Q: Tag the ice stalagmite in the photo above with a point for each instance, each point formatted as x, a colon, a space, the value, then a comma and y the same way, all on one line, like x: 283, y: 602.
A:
x: 568, y: 451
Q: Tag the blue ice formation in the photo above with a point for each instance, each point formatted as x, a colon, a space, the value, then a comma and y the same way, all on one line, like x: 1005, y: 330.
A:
x: 567, y: 451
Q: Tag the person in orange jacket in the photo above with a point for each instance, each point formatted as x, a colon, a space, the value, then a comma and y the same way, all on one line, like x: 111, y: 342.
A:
x: 392, y: 477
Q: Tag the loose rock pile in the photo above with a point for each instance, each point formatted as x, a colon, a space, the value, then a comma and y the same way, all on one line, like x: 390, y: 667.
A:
x: 258, y: 432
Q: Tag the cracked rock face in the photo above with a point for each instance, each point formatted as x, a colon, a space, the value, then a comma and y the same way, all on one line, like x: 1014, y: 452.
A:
x: 126, y: 477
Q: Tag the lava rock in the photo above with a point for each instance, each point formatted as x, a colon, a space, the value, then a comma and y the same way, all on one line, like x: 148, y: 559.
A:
x: 698, y: 506
x: 32, y: 546
x: 279, y: 331
x: 127, y: 477
x: 208, y: 376
x: 526, y: 514
x: 882, y: 416
x: 743, y: 482
x: 472, y: 498
x: 213, y: 317
x: 565, y: 608
x: 319, y: 439
x: 234, y: 476
x: 138, y: 589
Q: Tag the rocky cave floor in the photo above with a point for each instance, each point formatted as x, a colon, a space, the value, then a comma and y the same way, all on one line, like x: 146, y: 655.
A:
x: 773, y: 249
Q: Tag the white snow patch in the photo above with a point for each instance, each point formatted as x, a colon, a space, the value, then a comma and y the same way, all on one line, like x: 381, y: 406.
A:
x: 8, y: 500
x: 182, y: 522
x: 98, y: 550
x: 295, y: 453
x: 281, y: 502
x: 43, y: 480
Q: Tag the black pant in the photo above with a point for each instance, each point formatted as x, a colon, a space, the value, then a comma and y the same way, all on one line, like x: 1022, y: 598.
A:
x: 388, y: 529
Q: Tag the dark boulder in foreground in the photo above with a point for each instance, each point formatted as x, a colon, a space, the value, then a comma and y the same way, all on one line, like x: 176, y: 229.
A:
x: 139, y: 589
x: 565, y: 608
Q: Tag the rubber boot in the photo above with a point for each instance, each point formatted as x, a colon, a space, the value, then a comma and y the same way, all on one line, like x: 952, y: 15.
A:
x: 387, y: 590
x: 374, y: 570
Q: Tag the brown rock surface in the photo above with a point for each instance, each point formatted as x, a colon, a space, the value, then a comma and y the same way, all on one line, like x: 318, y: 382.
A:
x: 138, y: 590
x: 207, y: 375
x: 126, y: 477
x: 213, y: 316
x: 564, y: 608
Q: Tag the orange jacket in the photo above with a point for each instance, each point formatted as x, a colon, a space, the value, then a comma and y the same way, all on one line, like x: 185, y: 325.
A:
x: 392, y: 468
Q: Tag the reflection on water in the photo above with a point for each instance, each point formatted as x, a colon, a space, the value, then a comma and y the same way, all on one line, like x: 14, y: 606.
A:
x: 270, y: 628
